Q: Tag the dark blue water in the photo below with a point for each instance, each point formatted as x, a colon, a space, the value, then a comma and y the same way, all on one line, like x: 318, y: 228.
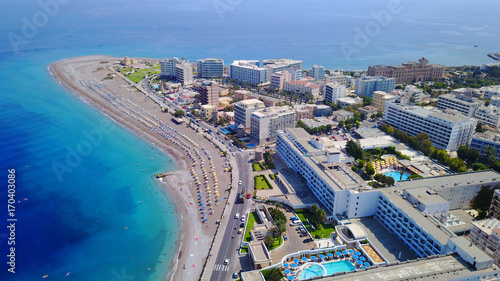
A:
x: 75, y: 209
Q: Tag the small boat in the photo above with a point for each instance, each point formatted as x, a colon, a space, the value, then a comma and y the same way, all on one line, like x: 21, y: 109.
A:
x: 160, y: 176
x: 475, y: 46
x: 125, y: 227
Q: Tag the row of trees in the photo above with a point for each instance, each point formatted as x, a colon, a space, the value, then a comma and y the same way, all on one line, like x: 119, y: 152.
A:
x: 471, y: 156
x: 313, y: 131
x: 319, y: 216
x: 279, y: 227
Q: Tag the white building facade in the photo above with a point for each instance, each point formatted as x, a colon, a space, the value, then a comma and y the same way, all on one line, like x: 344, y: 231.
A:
x: 366, y: 85
x: 184, y: 73
x: 334, y: 91
x: 243, y: 111
x: 167, y: 67
x: 446, y: 131
x: 265, y: 123
x: 248, y: 71
x: 210, y: 68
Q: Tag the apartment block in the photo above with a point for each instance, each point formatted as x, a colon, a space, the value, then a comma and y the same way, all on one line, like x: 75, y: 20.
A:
x: 380, y: 98
x: 243, y: 111
x: 495, y: 205
x: 366, y: 85
x: 489, y: 115
x: 317, y: 72
x: 446, y: 131
x: 276, y: 65
x: 248, y: 71
x: 409, y: 71
x: 319, y: 164
x: 303, y: 87
x: 464, y: 104
x: 333, y: 92
x: 168, y: 67
x: 184, y: 73
x: 265, y: 123
x: 341, y: 79
x: 279, y: 79
x: 210, y: 68
x: 486, y: 235
x: 209, y: 92
x: 482, y: 140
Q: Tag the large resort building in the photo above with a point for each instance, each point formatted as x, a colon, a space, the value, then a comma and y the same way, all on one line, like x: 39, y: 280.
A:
x: 210, y: 68
x: 409, y: 71
x: 248, y: 71
x: 446, y: 131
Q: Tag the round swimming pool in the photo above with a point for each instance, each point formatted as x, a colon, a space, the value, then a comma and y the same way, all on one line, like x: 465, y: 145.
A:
x: 316, y: 270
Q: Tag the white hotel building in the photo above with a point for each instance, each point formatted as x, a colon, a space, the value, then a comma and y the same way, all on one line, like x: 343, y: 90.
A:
x: 446, y: 131
x: 248, y: 71
x: 243, y: 111
x: 264, y: 123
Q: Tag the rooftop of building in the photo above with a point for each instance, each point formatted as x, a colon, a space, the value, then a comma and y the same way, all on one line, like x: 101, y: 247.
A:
x: 247, y: 64
x: 259, y: 251
x: 488, y: 136
x: 426, y: 195
x: 426, y: 222
x: 273, y: 111
x: 487, y: 225
x: 426, y: 113
x: 366, y: 133
x: 454, y: 180
x: 449, y: 267
x: 249, y: 102
x: 343, y: 112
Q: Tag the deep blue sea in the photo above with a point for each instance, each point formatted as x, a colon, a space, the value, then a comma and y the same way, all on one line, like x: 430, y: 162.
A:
x: 72, y: 220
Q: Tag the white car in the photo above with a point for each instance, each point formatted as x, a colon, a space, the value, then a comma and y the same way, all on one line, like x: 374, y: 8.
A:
x: 237, y: 215
x: 226, y: 261
x: 239, y: 183
x: 243, y: 218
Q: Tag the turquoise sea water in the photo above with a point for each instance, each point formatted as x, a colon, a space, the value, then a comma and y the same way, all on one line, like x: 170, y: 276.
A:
x: 76, y: 223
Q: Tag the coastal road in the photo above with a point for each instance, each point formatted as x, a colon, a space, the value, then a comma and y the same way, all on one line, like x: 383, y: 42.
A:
x: 230, y: 246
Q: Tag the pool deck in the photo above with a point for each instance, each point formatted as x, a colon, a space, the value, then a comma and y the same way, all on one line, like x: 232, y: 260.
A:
x: 373, y: 255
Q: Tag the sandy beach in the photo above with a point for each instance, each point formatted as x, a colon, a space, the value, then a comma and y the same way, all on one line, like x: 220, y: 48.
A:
x: 196, y: 156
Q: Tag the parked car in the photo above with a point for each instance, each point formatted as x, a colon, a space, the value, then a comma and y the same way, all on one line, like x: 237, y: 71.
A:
x: 243, y: 218
x: 235, y: 275
x: 249, y: 196
x: 307, y: 240
x: 303, y: 234
x: 242, y: 224
x: 285, y: 237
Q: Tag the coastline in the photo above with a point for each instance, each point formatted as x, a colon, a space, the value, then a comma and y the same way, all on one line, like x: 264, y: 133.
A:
x: 68, y: 73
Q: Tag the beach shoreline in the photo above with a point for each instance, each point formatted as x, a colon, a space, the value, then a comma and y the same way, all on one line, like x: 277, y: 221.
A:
x: 69, y: 73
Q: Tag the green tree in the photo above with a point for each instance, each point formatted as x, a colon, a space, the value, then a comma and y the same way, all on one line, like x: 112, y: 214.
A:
x: 268, y: 240
x: 272, y: 274
x: 473, y: 156
x: 179, y: 113
x: 390, y: 181
x: 369, y: 169
x: 479, y: 167
x: 463, y: 152
x: 354, y: 149
x: 380, y: 114
x: 482, y: 200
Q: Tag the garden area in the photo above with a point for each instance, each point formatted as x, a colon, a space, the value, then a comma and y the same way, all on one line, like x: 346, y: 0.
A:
x: 317, y: 228
x: 252, y: 218
x: 261, y: 182
x: 272, y: 176
x: 257, y: 167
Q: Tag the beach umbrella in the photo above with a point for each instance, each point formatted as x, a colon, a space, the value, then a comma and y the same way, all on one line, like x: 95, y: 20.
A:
x: 291, y: 277
x: 355, y: 257
x: 295, y: 265
x: 313, y: 258
x: 338, y: 254
x: 330, y: 255
x: 363, y: 267
x: 358, y: 253
x: 286, y: 265
x: 321, y: 256
x: 344, y: 252
x: 359, y: 262
x: 350, y: 251
x: 362, y: 258
x: 367, y: 264
x: 295, y: 260
x: 287, y: 271
x: 205, y: 219
x: 304, y: 258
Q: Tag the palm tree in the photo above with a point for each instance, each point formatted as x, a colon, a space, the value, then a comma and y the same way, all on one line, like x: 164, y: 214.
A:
x: 268, y: 239
x: 489, y: 150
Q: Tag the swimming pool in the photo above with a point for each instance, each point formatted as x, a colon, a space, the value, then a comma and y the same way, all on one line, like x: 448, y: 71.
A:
x: 396, y: 175
x: 331, y: 268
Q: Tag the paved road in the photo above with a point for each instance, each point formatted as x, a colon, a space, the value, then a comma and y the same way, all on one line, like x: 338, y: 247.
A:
x: 230, y: 246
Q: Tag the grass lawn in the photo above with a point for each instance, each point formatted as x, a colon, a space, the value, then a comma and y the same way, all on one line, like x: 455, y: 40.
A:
x: 252, y: 217
x: 136, y: 77
x: 261, y: 182
x: 148, y: 71
x: 257, y: 167
x: 244, y: 250
x: 125, y: 70
x: 272, y: 176
x: 324, y: 229
x: 157, y: 66
x: 276, y: 243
